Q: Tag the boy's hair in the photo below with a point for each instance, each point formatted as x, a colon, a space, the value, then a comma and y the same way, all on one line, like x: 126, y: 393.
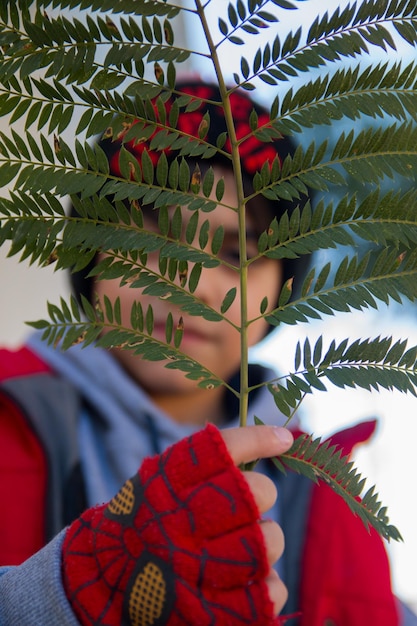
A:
x: 192, y: 121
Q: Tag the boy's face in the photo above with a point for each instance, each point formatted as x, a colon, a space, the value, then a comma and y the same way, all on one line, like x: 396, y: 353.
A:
x: 216, y: 345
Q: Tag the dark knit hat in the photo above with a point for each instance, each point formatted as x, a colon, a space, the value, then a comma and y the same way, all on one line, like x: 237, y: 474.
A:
x: 200, y: 120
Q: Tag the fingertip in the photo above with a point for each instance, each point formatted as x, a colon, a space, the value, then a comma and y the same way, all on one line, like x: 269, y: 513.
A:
x: 277, y: 590
x: 249, y: 443
x: 284, y: 436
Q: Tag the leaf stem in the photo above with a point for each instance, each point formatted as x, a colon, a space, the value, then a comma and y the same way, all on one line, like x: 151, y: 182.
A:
x: 241, y: 211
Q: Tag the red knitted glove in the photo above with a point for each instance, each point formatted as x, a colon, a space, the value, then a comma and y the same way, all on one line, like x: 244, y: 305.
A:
x: 180, y: 544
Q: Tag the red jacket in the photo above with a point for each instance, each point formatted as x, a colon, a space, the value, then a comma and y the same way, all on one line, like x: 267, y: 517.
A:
x: 344, y: 575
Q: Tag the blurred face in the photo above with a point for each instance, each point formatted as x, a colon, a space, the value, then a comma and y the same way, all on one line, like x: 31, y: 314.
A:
x: 216, y: 345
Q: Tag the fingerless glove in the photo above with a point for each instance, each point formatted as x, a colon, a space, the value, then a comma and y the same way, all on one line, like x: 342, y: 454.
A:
x: 180, y: 544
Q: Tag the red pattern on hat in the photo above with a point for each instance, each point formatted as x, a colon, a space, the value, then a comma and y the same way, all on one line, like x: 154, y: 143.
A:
x: 253, y: 152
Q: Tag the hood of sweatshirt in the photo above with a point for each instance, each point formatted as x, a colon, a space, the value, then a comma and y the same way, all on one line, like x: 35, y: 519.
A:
x: 119, y: 423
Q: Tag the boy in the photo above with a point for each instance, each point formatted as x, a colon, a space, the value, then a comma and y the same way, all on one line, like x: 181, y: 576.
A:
x: 183, y: 541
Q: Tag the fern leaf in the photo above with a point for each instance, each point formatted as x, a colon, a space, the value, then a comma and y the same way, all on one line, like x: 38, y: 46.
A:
x: 320, y: 461
x: 70, y: 324
x: 370, y: 364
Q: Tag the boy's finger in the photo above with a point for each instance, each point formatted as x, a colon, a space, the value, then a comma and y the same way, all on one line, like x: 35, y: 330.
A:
x: 263, y: 490
x: 278, y: 592
x: 274, y: 540
x: 256, y: 442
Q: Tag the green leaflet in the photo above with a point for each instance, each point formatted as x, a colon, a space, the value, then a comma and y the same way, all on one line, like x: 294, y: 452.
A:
x: 322, y: 462
x: 369, y: 364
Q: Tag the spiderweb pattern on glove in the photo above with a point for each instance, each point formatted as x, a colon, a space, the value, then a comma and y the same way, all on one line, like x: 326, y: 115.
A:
x: 180, y: 544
